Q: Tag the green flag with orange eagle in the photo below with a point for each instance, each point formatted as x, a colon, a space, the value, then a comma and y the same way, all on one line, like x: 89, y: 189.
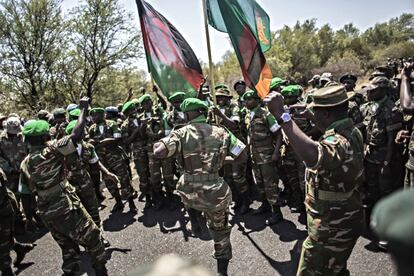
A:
x: 248, y: 27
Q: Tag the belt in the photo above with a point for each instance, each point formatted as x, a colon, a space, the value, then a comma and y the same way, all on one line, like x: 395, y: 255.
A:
x: 328, y: 195
x: 200, y: 177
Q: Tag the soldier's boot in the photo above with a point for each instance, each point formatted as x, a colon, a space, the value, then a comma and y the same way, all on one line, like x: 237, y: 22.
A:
x: 148, y: 201
x: 159, y: 200
x: 195, y: 226
x: 132, y: 208
x: 7, y: 272
x: 276, y: 217
x: 242, y: 204
x: 21, y: 250
x: 171, y: 201
x: 297, y: 206
x: 99, y: 195
x: 119, y: 206
x: 264, y: 208
x: 100, y: 270
x: 222, y: 266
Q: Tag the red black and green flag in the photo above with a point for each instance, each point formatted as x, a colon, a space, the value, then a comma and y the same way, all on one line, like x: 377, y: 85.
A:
x: 171, y: 61
x: 244, y: 21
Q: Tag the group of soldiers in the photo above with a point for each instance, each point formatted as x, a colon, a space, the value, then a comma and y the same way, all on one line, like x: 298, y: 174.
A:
x: 336, y: 151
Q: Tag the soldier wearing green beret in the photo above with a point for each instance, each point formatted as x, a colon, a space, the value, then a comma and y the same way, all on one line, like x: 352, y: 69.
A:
x: 292, y: 168
x: 264, y: 140
x: 134, y: 137
x: 82, y: 166
x: 228, y: 114
x: 106, y: 136
x: 59, y: 122
x: 59, y: 206
x: 202, y: 149
x: 277, y: 84
x: 334, y: 174
x: 154, y: 130
x: 382, y: 121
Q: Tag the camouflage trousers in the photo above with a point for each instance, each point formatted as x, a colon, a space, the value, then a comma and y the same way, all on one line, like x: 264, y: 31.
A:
x: 293, y: 172
x: 86, y: 193
x: 329, y: 243
x: 72, y: 229
x: 267, y: 179
x: 161, y: 170
x: 378, y: 184
x: 409, y: 179
x: 120, y: 169
x: 6, y: 240
x: 141, y: 166
x: 235, y: 177
x: 167, y: 165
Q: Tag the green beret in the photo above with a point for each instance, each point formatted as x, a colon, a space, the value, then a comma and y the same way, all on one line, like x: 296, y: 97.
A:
x: 70, y: 127
x: 128, y: 106
x: 193, y: 104
x: 58, y: 111
x: 291, y: 90
x: 249, y: 94
x: 135, y: 101
x: 36, y: 128
x: 75, y: 113
x: 144, y: 98
x: 276, y: 82
x: 177, y: 96
x: 97, y: 110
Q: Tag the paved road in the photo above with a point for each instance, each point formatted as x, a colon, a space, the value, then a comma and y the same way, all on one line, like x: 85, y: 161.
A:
x: 257, y: 250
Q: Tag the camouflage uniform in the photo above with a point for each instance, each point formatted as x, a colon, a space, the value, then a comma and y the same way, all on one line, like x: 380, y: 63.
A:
x: 59, y: 206
x: 333, y: 202
x: 262, y: 126
x: 112, y: 157
x: 6, y: 224
x: 201, y: 149
x: 409, y: 173
x: 78, y: 165
x: 380, y: 118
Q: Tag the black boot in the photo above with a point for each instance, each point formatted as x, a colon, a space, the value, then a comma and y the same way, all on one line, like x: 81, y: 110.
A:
x: 99, y: 195
x: 276, y: 217
x: 132, y: 208
x: 170, y: 201
x: 159, y: 200
x: 243, y: 203
x: 222, y: 265
x: 7, y: 272
x: 264, y: 208
x: 148, y: 202
x: 100, y: 270
x: 119, y: 206
x: 21, y: 250
x: 195, y: 227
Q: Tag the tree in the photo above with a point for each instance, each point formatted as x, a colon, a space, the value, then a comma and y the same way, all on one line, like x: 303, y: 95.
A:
x: 103, y: 37
x: 31, y: 33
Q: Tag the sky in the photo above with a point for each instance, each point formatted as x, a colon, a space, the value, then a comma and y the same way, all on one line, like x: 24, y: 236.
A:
x: 187, y: 17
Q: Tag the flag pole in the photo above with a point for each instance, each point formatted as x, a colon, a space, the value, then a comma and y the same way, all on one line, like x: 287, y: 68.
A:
x: 210, y: 60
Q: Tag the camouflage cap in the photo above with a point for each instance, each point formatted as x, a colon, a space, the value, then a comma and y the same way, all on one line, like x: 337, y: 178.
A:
x: 221, y: 86
x: 36, y: 128
x: 13, y: 125
x: 327, y: 75
x: 314, y: 78
x: 392, y: 220
x: 71, y: 107
x: 58, y: 111
x: 205, y: 89
x: 348, y: 76
x: 144, y: 98
x: 378, y: 82
x: 127, y: 107
x: 96, y: 110
x: 330, y: 96
x: 276, y: 82
x: 43, y: 114
x: 193, y: 104
x: 291, y: 90
x: 331, y: 83
x: 177, y: 96
x: 112, y: 109
x: 249, y: 95
x: 377, y: 74
x: 71, y: 126
x: 224, y: 92
x: 239, y: 82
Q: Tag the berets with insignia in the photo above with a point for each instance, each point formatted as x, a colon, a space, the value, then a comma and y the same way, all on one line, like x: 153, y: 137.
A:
x: 177, y: 96
x: 291, y: 90
x: 193, y: 104
x: 36, y: 128
x: 70, y: 127
x: 144, y: 98
x: 96, y: 110
x: 128, y: 106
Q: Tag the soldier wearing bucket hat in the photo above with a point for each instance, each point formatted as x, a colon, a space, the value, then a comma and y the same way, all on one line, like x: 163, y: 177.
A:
x: 334, y: 172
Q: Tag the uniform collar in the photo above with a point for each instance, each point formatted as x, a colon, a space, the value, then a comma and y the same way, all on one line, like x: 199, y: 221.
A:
x: 340, y: 124
x: 199, y: 119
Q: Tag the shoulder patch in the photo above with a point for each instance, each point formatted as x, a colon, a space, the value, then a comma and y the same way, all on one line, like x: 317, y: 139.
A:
x: 332, y: 140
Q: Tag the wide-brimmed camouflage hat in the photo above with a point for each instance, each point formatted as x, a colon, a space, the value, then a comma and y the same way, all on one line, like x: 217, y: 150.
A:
x: 223, y: 92
x: 378, y: 82
x: 330, y: 96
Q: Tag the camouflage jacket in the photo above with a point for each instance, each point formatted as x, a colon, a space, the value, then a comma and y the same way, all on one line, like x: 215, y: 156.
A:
x: 201, y: 148
x: 333, y: 201
x: 58, y: 131
x: 380, y: 118
x: 128, y: 127
x: 261, y: 128
x: 172, y: 119
x: 78, y: 164
x: 44, y: 171
x: 12, y: 152
x: 155, y: 127
x: 6, y: 197
x: 354, y: 112
x: 99, y: 132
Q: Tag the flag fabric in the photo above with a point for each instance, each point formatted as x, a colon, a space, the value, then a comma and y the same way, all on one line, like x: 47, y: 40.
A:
x: 255, y: 16
x: 171, y: 61
x: 256, y: 71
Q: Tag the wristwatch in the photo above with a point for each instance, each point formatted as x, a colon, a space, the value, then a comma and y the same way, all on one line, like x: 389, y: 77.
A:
x: 285, y: 118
